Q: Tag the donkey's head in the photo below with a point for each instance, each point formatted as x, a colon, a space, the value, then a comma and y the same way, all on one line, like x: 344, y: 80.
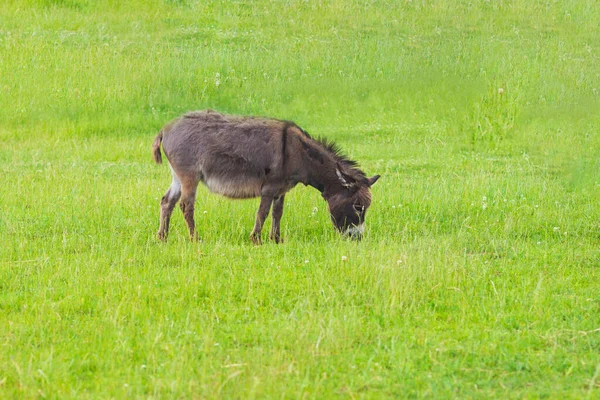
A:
x: 348, y: 205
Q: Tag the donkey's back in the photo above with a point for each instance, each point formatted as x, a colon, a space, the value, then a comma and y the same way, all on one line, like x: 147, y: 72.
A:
x: 202, y: 136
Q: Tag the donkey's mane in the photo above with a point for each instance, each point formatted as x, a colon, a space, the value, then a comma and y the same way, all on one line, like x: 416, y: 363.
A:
x: 335, y: 150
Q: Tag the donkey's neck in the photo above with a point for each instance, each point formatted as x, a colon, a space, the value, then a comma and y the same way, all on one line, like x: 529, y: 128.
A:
x: 321, y: 173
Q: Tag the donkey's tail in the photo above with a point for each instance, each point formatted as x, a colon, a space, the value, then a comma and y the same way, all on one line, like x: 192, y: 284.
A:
x: 156, y: 155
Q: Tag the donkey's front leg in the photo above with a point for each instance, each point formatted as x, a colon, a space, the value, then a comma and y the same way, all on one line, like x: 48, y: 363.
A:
x: 261, y: 215
x: 277, y: 213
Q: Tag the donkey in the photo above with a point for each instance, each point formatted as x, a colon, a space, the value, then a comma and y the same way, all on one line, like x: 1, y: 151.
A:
x: 245, y: 157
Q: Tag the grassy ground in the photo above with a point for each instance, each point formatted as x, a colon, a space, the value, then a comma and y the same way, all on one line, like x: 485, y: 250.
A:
x: 479, y: 274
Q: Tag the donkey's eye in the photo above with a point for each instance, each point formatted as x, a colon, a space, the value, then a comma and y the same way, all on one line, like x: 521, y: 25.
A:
x: 358, y: 208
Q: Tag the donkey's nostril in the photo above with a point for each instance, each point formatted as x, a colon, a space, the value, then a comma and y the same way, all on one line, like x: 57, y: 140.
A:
x: 355, y: 231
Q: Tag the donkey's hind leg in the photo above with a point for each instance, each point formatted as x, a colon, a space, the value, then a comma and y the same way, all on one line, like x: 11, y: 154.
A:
x: 166, y: 207
x: 188, y: 199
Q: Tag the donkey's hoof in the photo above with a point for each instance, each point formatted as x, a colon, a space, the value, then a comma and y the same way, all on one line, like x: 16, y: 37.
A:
x: 256, y: 239
x: 277, y: 239
x: 161, y: 236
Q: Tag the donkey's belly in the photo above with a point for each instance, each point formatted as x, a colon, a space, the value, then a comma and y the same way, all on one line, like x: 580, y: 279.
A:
x: 238, y: 188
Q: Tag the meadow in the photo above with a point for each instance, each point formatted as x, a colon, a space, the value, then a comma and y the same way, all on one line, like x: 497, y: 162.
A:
x: 479, y: 272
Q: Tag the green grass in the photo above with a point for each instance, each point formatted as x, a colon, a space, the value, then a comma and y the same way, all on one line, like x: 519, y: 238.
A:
x: 479, y: 276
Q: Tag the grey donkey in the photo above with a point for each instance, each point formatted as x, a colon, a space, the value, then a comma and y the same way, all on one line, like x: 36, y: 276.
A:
x: 245, y: 157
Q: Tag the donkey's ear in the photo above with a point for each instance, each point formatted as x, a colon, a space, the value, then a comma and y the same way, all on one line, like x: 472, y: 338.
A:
x: 346, y: 180
x: 373, y: 179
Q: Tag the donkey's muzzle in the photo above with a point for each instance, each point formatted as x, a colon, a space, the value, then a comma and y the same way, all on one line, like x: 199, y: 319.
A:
x: 355, y: 232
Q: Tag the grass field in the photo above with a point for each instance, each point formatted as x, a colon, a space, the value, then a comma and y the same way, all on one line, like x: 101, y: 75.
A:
x: 479, y: 276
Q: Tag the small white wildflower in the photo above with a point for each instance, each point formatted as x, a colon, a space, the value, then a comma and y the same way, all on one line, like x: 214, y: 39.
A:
x: 500, y: 91
x: 556, y: 229
x: 344, y: 258
x: 305, y: 261
x: 484, y: 206
x: 484, y: 198
x: 399, y: 262
x: 393, y: 206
